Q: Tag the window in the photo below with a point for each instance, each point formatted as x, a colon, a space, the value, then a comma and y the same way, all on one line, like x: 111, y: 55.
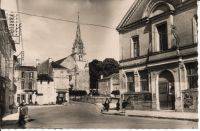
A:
x: 23, y: 74
x: 195, y: 28
x: 192, y: 75
x: 23, y: 98
x: 144, y: 80
x: 130, y: 82
x: 135, y: 46
x: 22, y: 84
x: 162, y: 36
x: 30, y: 75
x: 18, y: 98
x: 30, y: 85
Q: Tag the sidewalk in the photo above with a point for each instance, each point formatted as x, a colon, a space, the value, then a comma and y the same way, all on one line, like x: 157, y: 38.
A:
x: 157, y: 114
x: 10, y: 119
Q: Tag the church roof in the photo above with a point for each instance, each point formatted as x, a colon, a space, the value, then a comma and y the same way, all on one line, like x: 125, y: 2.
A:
x: 66, y: 62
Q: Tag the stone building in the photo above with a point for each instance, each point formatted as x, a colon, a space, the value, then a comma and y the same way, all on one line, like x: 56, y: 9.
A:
x: 158, y: 48
x: 7, y: 49
x: 77, y: 64
x: 108, y: 84
x: 53, y: 83
x: 80, y: 69
x: 26, y: 82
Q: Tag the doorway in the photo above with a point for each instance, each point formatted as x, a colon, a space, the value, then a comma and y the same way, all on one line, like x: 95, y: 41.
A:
x: 166, y: 91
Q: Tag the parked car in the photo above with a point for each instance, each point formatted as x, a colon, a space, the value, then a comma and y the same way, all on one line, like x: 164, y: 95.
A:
x: 113, y: 102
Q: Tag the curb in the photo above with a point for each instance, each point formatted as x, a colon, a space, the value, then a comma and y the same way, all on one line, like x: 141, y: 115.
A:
x: 186, y: 119
x: 119, y: 114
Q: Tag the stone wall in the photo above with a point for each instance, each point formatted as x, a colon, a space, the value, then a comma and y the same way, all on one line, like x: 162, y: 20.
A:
x: 139, y: 101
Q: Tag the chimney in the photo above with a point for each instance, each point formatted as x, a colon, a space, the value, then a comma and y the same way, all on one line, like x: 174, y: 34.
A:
x: 50, y: 60
x: 37, y: 62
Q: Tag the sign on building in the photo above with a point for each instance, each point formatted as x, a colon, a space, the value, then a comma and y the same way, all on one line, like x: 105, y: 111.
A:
x: 13, y: 21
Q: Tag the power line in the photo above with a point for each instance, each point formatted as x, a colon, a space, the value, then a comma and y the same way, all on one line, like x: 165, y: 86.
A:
x: 60, y: 19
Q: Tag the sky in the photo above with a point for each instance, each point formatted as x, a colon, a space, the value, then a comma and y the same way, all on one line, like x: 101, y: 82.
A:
x: 45, y: 38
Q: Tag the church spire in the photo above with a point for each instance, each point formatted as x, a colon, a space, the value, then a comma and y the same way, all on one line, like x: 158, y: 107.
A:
x: 78, y: 46
x: 78, y: 31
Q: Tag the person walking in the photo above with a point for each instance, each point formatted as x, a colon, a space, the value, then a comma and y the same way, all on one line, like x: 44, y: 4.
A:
x: 22, y: 114
x: 117, y: 105
x: 124, y: 104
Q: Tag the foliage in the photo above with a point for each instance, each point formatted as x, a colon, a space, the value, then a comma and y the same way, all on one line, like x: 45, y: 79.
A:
x: 98, y: 68
x: 110, y: 66
x: 95, y: 69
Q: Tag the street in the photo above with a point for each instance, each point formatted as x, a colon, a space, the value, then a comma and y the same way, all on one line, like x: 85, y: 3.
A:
x: 81, y: 115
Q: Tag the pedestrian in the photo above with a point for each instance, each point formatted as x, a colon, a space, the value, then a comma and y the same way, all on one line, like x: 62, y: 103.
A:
x: 124, y: 104
x: 22, y: 114
x: 107, y: 104
x: 117, y: 105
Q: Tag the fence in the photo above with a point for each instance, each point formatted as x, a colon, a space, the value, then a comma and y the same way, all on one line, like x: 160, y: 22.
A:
x: 89, y: 99
x: 190, y: 100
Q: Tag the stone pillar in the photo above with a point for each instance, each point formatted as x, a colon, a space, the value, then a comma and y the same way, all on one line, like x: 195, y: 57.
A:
x: 154, y: 90
x: 111, y: 85
x: 180, y: 84
x: 123, y: 81
x: 27, y: 98
x: 137, y: 81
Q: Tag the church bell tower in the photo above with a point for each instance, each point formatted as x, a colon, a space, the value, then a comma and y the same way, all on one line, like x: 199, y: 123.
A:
x: 78, y: 50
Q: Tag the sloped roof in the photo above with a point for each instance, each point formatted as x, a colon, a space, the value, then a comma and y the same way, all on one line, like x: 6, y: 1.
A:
x: 68, y: 62
x: 45, y: 68
x: 56, y: 64
x: 136, y: 11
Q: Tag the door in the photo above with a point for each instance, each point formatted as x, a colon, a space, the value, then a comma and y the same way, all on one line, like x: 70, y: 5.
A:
x: 166, y: 91
x: 164, y: 96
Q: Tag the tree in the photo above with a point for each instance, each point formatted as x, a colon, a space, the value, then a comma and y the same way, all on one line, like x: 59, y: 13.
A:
x: 110, y: 66
x: 95, y: 69
x: 98, y: 68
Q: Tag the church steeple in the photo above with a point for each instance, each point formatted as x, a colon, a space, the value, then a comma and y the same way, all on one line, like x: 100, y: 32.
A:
x: 78, y: 46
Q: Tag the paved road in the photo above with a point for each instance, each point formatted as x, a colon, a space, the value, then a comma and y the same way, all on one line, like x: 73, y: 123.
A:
x: 87, y: 116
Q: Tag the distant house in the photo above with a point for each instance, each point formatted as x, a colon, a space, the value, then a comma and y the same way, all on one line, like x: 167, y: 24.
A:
x: 53, y: 83
x: 26, y: 83
x: 107, y: 85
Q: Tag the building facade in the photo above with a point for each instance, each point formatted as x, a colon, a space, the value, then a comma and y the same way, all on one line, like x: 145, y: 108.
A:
x: 26, y: 82
x: 7, y: 49
x: 53, y: 83
x: 107, y: 85
x: 158, y: 43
